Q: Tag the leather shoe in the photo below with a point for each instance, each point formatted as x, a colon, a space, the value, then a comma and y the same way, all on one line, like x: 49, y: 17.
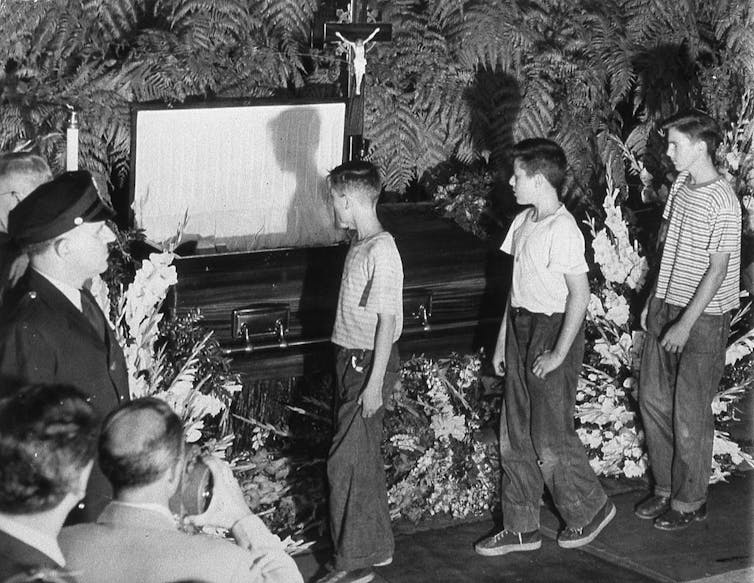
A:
x: 675, y: 520
x: 652, y: 507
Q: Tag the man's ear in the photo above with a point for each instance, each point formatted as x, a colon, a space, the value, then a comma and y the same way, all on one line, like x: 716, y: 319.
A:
x: 62, y: 246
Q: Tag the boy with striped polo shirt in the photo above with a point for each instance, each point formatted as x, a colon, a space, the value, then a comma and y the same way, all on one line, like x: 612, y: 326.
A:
x: 368, y: 322
x: 687, y: 319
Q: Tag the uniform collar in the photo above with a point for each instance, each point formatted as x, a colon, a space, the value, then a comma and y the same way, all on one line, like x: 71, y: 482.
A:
x: 70, y: 292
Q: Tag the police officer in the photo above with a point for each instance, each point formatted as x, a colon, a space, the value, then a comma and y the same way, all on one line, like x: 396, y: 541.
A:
x: 51, y: 330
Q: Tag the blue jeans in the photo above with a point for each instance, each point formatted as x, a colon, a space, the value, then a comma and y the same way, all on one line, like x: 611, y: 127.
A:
x: 359, y: 516
x: 675, y: 398
x: 538, y: 442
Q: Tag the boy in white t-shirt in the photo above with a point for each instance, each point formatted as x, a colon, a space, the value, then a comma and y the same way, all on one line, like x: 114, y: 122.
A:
x: 541, y: 344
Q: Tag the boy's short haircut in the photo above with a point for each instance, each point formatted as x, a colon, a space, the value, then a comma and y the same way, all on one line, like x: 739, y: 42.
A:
x: 23, y: 167
x: 542, y: 156
x: 358, y: 175
x: 697, y: 126
x: 48, y: 435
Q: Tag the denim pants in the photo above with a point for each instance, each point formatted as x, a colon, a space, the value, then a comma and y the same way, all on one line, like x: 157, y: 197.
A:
x: 359, y: 516
x: 675, y: 400
x: 538, y: 442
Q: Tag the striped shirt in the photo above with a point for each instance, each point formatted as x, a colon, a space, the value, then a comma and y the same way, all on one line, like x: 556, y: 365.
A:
x: 702, y: 219
x: 372, y: 284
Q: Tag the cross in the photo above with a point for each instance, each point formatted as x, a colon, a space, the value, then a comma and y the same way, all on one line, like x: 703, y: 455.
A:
x: 356, y: 35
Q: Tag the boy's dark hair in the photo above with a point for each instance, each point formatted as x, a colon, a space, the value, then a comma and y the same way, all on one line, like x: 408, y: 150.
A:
x: 48, y: 434
x: 357, y: 174
x: 697, y: 126
x: 539, y: 155
x: 140, y: 441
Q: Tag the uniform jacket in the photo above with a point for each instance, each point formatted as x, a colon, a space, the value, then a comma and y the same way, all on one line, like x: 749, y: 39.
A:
x: 44, y: 338
x: 17, y: 558
x: 130, y: 544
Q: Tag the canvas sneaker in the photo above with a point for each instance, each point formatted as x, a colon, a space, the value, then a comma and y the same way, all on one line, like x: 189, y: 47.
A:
x: 354, y: 576
x: 507, y: 541
x: 571, y: 538
x: 384, y: 563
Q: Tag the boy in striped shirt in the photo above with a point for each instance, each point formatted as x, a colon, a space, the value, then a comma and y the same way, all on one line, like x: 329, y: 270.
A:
x: 687, y: 318
x: 368, y: 323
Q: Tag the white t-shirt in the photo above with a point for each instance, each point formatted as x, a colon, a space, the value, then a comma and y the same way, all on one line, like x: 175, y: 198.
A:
x: 544, y: 251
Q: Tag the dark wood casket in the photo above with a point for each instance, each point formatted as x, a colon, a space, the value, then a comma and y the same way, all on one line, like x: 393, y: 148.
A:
x: 263, y: 259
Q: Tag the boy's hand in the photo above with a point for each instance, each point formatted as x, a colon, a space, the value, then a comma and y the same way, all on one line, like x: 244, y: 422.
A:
x: 370, y: 400
x: 498, y: 362
x: 545, y: 363
x: 675, y: 337
x: 644, y: 313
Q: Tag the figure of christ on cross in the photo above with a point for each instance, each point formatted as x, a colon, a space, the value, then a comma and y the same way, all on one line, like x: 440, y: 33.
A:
x: 358, y: 57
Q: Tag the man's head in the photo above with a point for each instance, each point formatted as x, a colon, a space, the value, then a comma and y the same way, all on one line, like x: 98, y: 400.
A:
x: 48, y: 437
x: 141, y: 442
x: 693, y: 137
x: 353, y: 184
x: 63, y: 221
x: 537, y: 163
x: 20, y: 173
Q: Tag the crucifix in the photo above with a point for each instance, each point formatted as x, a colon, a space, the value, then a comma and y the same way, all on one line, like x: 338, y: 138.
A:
x: 356, y: 37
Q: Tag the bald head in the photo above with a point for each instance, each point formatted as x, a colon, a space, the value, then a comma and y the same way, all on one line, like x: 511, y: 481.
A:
x: 140, y: 441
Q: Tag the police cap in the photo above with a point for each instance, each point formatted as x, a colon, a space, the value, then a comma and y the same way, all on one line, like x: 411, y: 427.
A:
x: 57, y: 207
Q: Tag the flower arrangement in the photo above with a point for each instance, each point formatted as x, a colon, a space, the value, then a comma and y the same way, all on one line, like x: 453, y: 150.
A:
x: 606, y: 406
x: 155, y: 368
x: 465, y: 199
x: 436, y: 462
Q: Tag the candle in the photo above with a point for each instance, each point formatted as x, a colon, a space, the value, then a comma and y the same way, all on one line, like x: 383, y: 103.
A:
x: 72, y: 143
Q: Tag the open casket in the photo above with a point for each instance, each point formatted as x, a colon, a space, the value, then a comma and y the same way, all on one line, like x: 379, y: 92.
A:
x: 262, y: 258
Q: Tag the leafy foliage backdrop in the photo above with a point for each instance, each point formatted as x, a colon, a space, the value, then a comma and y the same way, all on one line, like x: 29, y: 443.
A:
x: 461, y: 80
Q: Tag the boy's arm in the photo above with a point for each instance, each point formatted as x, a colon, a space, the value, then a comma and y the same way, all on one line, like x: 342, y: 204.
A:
x: 498, y: 357
x: 575, y: 310
x: 677, y: 335
x: 371, y: 397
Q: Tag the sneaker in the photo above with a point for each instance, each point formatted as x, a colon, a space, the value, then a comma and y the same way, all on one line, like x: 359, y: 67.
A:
x: 571, y: 538
x: 355, y: 576
x: 652, y: 507
x: 384, y: 563
x: 676, y: 520
x: 507, y: 541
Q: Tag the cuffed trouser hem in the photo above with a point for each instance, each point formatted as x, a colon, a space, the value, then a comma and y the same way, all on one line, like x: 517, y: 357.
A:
x: 581, y: 509
x: 660, y: 491
x: 686, y: 506
x: 365, y: 562
x: 520, y: 518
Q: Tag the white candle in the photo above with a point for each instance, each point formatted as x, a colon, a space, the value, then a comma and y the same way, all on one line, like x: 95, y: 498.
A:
x: 72, y: 143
